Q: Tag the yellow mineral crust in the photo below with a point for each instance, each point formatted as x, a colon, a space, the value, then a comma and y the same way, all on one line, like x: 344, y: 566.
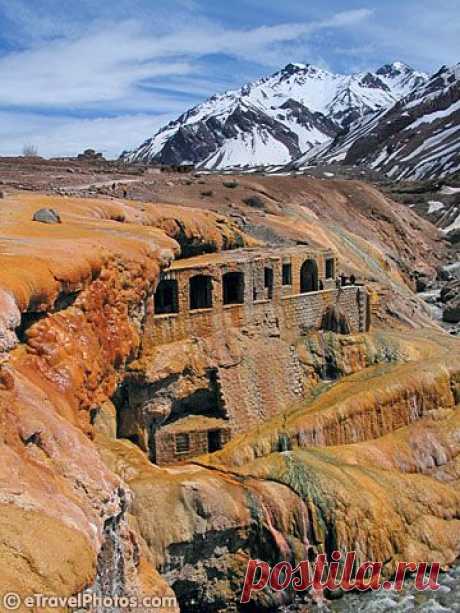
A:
x: 372, y: 463
x: 91, y: 278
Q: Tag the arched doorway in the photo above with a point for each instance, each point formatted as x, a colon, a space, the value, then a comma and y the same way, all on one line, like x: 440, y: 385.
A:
x: 309, y: 277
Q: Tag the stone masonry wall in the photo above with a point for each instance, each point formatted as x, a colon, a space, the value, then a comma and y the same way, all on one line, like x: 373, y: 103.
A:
x: 165, y: 445
x: 293, y: 315
x: 267, y: 380
x: 259, y: 302
x: 267, y: 377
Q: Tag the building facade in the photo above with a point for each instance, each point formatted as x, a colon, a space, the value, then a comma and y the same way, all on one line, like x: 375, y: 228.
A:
x: 198, y: 296
x: 275, y: 294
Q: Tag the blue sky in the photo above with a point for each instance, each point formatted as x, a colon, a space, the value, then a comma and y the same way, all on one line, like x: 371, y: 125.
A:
x: 107, y: 74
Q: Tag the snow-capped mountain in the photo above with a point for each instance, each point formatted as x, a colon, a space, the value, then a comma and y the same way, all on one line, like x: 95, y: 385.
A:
x: 416, y: 138
x: 275, y: 119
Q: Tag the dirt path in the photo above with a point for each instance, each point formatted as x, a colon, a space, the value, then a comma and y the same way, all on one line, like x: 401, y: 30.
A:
x: 109, y: 183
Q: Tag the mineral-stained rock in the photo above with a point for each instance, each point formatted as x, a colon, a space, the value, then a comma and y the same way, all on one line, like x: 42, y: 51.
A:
x: 388, y: 429
x: 47, y: 216
x: 64, y: 522
x: 334, y: 320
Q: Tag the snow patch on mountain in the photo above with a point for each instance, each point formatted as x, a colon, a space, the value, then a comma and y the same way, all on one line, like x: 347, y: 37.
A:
x: 418, y: 137
x: 277, y: 118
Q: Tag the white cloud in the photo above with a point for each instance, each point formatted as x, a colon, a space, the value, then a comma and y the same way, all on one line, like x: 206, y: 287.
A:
x: 146, y: 62
x: 58, y: 136
x: 109, y: 63
x: 78, y: 58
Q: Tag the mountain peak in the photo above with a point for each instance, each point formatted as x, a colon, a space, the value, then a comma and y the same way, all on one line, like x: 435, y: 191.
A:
x: 293, y: 67
x: 275, y: 118
x: 394, y: 69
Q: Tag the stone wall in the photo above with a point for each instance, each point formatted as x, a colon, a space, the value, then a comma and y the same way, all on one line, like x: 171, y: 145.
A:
x: 278, y: 303
x: 261, y: 303
x: 268, y: 379
x: 291, y: 314
x: 165, y: 445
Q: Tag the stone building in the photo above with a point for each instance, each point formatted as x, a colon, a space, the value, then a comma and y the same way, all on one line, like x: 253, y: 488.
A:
x: 276, y: 294
x: 198, y: 296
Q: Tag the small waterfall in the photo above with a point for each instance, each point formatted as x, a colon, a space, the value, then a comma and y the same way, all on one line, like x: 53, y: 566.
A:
x: 111, y: 562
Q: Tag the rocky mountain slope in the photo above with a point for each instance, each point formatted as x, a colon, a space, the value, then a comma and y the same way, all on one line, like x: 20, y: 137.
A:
x: 416, y: 138
x: 274, y: 119
x: 74, y: 303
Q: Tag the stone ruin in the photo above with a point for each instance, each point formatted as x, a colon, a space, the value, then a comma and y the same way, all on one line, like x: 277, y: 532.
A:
x: 278, y: 294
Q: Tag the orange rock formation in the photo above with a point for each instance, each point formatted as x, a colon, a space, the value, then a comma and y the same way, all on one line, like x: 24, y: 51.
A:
x: 76, y: 502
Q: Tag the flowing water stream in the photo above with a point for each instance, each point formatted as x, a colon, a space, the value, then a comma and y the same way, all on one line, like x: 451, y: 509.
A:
x: 444, y: 600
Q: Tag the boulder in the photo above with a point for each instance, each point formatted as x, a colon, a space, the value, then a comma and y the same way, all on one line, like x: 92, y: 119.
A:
x: 451, y: 313
x: 47, y: 216
x: 423, y: 280
x: 231, y: 184
x: 450, y: 291
x: 256, y: 202
x: 453, y: 236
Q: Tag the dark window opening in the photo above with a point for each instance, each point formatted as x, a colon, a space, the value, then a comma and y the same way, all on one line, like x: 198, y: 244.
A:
x: 330, y: 268
x: 233, y: 288
x: 287, y: 274
x: 200, y: 288
x: 214, y: 441
x: 268, y: 282
x: 309, y: 277
x: 166, y: 297
x: 182, y: 443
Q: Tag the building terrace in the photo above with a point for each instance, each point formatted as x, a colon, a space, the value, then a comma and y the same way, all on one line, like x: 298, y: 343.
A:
x: 292, y: 285
x: 271, y: 296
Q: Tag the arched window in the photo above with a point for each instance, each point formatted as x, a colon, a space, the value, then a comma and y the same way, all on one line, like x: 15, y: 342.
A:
x: 309, y: 277
x: 200, y: 291
x: 166, y: 297
x: 233, y: 288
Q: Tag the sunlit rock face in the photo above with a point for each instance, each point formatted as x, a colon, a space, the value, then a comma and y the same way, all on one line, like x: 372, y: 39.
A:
x: 74, y: 303
x: 369, y: 465
x: 378, y: 413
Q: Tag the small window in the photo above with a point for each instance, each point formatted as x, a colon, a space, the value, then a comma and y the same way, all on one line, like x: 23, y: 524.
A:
x: 330, y: 268
x: 182, y: 443
x: 268, y: 282
x: 200, y: 288
x: 214, y: 440
x: 287, y: 274
x: 233, y: 288
x: 166, y: 297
